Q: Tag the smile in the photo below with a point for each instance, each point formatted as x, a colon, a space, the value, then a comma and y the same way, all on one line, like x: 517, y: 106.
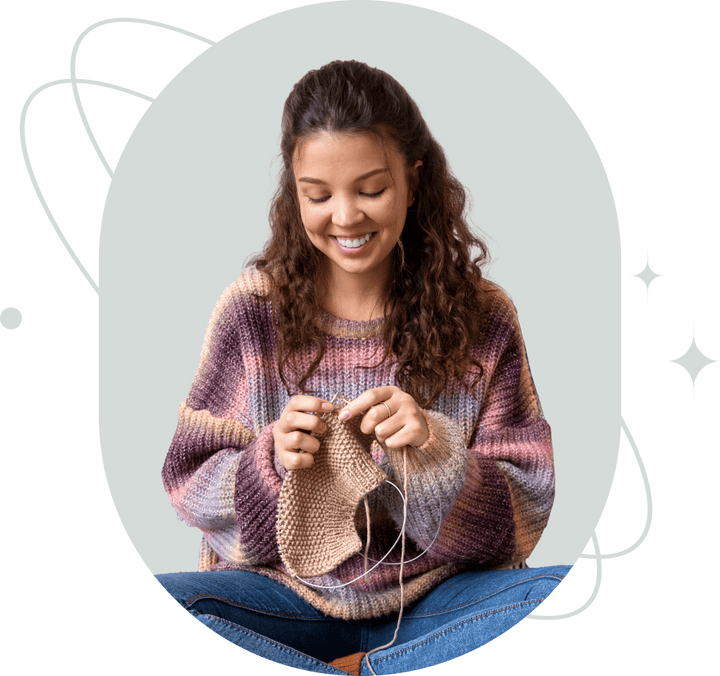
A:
x: 354, y: 243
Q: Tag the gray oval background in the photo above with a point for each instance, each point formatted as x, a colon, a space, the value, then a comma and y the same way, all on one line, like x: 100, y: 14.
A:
x: 188, y: 205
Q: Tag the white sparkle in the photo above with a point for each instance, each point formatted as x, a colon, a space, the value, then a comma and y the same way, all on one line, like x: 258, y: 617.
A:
x: 693, y: 361
x: 647, y: 275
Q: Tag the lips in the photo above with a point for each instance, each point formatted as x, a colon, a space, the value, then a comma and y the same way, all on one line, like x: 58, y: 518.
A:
x: 354, y: 242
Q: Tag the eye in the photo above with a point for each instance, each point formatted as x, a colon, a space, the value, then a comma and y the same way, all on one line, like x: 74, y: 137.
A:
x: 319, y: 200
x: 373, y: 195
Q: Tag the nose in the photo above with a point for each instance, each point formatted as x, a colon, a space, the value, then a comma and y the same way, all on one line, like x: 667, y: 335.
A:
x: 347, y: 212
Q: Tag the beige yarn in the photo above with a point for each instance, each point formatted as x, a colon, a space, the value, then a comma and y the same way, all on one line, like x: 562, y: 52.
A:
x: 316, y: 511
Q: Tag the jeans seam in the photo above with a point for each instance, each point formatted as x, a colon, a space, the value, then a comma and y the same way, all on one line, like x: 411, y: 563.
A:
x: 487, y: 596
x: 427, y: 639
x: 275, y: 613
x: 281, y: 646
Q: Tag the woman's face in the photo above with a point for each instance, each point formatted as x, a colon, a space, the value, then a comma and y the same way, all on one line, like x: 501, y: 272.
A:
x: 354, y: 194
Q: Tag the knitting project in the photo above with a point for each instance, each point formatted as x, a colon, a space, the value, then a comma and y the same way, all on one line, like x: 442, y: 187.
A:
x: 481, y: 501
x: 316, y: 514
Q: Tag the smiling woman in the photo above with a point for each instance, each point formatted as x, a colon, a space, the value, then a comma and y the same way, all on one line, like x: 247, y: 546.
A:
x: 387, y: 528
x: 354, y: 194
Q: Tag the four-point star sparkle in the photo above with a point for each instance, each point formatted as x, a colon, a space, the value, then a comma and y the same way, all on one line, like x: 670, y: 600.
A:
x: 693, y: 361
x: 647, y: 275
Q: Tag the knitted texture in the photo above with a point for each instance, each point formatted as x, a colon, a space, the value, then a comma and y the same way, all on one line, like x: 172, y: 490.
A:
x: 484, y: 483
x: 316, y: 515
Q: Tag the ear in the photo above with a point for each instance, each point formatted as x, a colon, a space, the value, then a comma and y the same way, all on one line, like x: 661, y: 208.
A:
x: 413, y: 180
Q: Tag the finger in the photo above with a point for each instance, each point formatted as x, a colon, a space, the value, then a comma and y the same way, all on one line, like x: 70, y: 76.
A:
x: 291, y: 461
x: 299, y: 441
x: 389, y: 426
x: 305, y: 402
x: 366, y: 400
x: 377, y: 417
x: 399, y: 440
x: 295, y: 420
x: 414, y: 433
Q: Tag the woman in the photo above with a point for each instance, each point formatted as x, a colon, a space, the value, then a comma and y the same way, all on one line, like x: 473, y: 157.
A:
x: 367, y: 290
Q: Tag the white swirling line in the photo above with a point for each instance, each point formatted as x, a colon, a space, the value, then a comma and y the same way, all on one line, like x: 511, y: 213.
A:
x: 74, y: 82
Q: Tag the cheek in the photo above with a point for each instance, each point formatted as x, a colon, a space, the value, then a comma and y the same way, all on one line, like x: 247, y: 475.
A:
x: 395, y: 213
x: 382, y: 214
x: 392, y: 218
x: 312, y: 222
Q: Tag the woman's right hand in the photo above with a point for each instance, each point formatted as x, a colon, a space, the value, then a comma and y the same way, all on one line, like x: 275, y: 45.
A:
x: 294, y: 444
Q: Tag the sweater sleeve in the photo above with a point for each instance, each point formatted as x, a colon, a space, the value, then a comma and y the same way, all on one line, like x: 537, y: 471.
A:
x: 219, y: 471
x: 485, y: 499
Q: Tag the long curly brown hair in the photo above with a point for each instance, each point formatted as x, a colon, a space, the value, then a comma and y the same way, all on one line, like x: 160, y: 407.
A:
x: 434, y: 304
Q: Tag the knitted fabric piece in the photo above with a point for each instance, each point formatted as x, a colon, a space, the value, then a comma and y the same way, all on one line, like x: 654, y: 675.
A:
x: 488, y: 484
x: 316, y: 514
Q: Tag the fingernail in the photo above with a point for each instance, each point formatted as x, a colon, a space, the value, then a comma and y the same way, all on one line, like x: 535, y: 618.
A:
x: 345, y: 415
x: 327, y: 406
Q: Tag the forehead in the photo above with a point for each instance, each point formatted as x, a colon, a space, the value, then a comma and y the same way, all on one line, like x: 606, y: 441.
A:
x: 340, y: 151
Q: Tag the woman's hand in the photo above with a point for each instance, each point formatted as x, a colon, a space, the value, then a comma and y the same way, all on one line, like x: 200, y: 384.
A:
x: 394, y: 417
x: 292, y: 432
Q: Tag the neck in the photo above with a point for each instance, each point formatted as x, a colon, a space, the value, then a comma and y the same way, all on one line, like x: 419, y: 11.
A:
x: 354, y: 297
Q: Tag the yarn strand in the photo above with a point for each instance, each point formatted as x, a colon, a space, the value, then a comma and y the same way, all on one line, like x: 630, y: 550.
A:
x: 437, y: 532
x: 402, y: 563
x: 367, y: 536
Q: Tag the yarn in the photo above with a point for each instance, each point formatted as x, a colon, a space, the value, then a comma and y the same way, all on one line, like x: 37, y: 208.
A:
x: 316, y: 513
x: 377, y: 563
x: 437, y: 532
x: 490, y: 451
x: 316, y: 510
x: 402, y: 565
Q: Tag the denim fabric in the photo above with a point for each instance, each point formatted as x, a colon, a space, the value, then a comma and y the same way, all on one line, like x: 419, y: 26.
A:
x: 270, y: 620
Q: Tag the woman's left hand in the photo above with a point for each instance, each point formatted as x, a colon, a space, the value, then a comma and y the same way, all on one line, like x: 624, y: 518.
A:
x: 393, y: 416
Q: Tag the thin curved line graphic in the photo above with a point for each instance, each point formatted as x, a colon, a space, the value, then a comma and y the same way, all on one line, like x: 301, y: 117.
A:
x: 647, y: 490
x: 74, y: 80
x: 598, y: 579
x: 597, y: 555
x: 28, y: 163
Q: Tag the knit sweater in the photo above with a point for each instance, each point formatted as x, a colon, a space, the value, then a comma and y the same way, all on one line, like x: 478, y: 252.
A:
x: 482, y: 488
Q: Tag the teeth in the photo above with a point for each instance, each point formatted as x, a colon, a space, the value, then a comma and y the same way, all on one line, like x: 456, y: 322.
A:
x: 354, y: 243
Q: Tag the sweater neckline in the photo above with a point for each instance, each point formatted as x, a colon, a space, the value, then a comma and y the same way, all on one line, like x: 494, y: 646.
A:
x: 349, y: 328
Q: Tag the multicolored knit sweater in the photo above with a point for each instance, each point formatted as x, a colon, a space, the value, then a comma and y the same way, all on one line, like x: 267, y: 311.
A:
x: 484, y: 490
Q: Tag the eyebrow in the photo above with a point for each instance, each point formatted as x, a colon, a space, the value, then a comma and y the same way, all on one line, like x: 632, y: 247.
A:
x: 368, y: 174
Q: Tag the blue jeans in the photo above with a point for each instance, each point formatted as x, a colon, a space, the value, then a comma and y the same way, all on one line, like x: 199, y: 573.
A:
x: 268, y: 619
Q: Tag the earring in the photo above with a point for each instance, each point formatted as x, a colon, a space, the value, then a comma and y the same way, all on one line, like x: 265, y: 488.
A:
x: 401, y: 249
